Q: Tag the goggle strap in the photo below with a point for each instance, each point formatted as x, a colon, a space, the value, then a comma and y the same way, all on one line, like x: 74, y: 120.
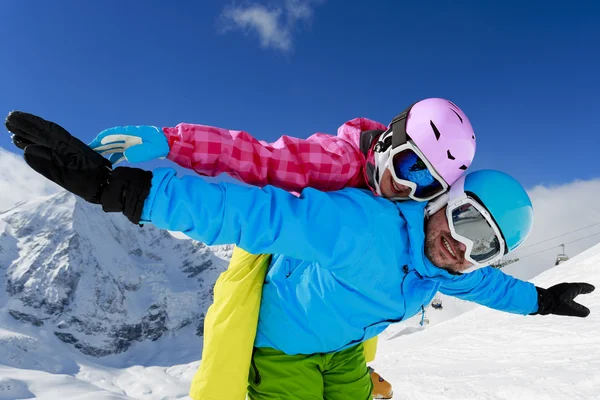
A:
x: 399, y: 136
x: 398, y: 125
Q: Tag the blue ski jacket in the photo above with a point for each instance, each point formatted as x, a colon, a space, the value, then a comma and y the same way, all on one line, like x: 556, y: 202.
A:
x: 345, y: 264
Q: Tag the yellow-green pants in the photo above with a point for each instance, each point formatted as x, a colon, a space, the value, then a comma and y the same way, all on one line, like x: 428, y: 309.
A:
x: 341, y: 375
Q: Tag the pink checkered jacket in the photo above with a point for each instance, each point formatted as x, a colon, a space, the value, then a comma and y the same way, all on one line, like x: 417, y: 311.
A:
x: 322, y: 161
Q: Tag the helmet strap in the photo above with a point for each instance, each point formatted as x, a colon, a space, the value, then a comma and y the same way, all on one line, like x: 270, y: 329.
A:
x: 393, y: 137
x: 368, y: 139
x: 436, y: 205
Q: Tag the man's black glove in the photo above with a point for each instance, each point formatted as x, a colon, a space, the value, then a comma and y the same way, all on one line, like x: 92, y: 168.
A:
x: 30, y: 129
x: 62, y: 158
x: 558, y: 299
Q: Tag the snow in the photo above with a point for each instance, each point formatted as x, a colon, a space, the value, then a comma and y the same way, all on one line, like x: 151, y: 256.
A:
x: 479, y: 354
x: 465, y: 352
x: 486, y: 354
x: 98, y: 281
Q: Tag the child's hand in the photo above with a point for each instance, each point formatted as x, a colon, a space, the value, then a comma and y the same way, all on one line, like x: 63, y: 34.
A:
x: 132, y: 143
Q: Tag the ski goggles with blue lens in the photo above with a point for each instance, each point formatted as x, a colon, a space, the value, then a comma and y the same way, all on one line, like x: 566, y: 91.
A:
x: 471, y: 224
x: 409, y: 167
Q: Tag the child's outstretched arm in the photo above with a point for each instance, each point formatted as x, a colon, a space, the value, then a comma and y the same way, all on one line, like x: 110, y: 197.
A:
x: 322, y: 161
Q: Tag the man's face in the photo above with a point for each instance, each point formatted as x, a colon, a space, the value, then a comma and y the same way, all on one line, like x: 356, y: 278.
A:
x: 441, y: 248
x: 389, y: 187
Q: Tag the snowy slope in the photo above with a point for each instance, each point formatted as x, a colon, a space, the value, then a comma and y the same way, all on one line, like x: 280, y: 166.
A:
x: 481, y: 354
x: 486, y: 354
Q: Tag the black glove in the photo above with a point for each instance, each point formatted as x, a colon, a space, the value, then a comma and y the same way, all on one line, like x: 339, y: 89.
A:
x: 51, y: 151
x: 31, y: 129
x: 558, y: 299
x: 20, y: 142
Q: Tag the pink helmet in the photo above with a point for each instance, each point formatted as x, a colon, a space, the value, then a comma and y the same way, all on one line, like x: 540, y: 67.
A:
x: 440, y: 130
x: 444, y: 134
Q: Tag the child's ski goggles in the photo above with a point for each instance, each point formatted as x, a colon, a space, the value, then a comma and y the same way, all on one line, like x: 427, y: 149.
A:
x: 410, y: 168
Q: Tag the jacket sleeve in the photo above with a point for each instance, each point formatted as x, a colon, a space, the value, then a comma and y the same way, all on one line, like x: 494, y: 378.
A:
x: 493, y: 288
x: 330, y: 228
x: 322, y: 161
x: 351, y: 130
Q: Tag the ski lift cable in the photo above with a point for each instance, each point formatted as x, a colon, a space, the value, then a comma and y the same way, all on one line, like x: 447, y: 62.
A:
x: 553, y: 247
x: 555, y: 237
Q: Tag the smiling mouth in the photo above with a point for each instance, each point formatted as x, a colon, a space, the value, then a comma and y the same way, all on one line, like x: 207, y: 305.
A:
x: 396, y: 188
x: 448, y: 247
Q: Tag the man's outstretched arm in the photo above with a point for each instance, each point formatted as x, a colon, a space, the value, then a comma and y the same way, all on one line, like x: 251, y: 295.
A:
x: 493, y: 288
x: 325, y: 227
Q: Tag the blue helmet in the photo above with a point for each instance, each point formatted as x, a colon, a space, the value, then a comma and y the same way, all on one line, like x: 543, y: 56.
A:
x: 506, y: 200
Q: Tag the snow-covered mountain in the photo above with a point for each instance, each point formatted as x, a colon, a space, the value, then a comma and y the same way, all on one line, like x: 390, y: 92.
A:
x: 82, y: 290
x: 94, y: 307
x: 97, y: 281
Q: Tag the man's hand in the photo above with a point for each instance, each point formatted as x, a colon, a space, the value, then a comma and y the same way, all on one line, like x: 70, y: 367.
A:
x: 62, y: 158
x: 30, y: 129
x: 559, y: 299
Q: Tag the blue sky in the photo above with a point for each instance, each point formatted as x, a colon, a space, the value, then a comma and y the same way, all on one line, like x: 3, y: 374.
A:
x: 524, y: 72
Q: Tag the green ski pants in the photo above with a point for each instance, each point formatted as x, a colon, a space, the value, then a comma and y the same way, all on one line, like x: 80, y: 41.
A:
x: 327, y: 376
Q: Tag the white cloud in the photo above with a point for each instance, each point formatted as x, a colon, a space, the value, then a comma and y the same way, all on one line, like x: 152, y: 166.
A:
x: 19, y: 183
x: 559, y: 209
x: 274, y: 25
